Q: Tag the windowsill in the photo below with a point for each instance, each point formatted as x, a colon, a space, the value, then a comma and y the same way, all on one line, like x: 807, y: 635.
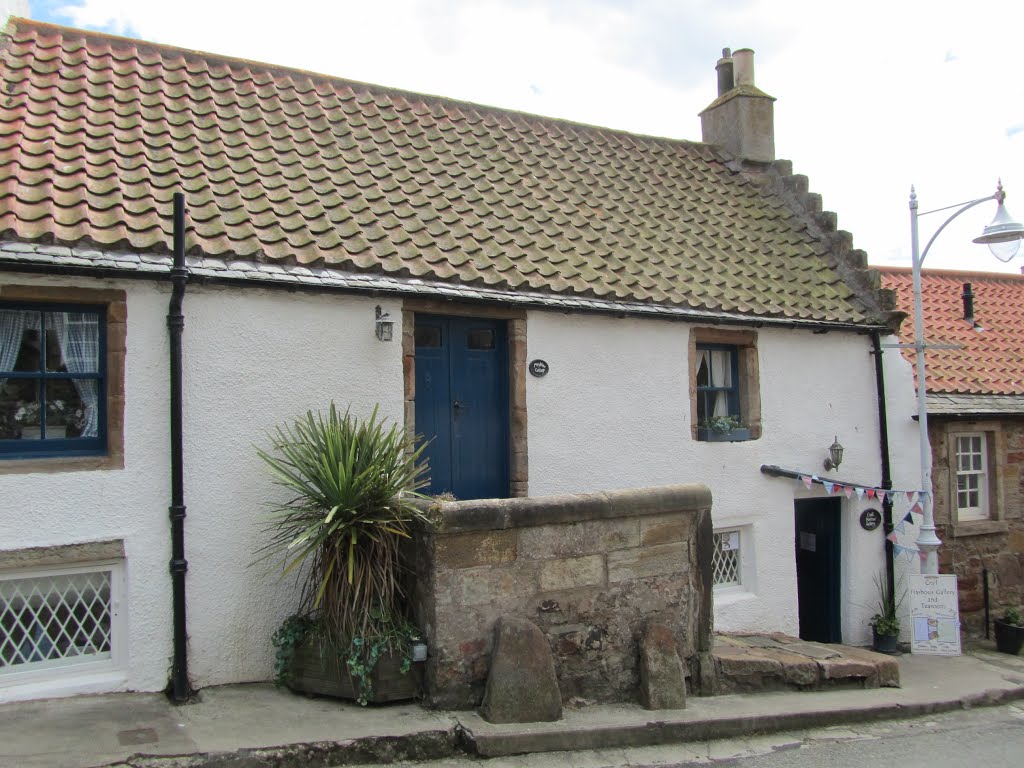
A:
x: 964, y: 528
x: 60, y: 464
x: 738, y: 435
x: 78, y: 683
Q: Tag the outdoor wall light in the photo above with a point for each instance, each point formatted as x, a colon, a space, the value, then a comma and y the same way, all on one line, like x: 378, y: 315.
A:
x: 835, y: 455
x: 384, y: 327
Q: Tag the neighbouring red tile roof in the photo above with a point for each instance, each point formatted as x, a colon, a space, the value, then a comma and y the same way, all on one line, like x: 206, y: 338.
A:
x: 284, y: 166
x: 990, y: 362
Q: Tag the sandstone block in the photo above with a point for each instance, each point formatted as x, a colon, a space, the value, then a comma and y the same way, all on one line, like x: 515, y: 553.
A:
x: 572, y: 573
x: 848, y: 668
x: 662, y: 680
x: 640, y: 563
x: 521, y: 683
x: 467, y: 550
x: 588, y: 538
x: 663, y: 530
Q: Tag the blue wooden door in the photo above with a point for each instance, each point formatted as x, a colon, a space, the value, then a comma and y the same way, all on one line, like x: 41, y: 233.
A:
x: 462, y: 404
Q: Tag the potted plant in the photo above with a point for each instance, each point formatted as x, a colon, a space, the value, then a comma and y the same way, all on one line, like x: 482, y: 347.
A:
x: 885, y: 624
x: 722, y: 429
x: 1010, y: 632
x: 59, y: 416
x: 353, y: 485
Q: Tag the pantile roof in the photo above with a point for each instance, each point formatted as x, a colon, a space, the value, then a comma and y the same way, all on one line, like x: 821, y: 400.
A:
x: 987, y: 362
x: 289, y: 168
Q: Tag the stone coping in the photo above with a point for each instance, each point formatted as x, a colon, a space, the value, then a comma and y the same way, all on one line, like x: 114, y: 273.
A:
x: 61, y: 555
x: 501, y: 514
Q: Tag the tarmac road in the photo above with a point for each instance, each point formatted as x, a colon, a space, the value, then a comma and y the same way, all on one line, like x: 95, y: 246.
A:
x: 992, y: 737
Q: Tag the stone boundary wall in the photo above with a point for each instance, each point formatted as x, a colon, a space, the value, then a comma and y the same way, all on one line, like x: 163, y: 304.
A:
x: 591, y: 570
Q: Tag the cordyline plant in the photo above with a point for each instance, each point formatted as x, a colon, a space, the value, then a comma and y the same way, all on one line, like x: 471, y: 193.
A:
x: 354, y: 484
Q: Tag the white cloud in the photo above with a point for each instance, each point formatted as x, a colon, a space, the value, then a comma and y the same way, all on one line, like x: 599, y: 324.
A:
x: 872, y: 96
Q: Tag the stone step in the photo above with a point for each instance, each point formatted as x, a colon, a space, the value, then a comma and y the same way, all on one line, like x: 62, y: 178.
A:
x: 756, y: 663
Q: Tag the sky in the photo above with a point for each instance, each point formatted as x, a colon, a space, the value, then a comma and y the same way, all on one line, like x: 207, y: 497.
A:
x: 872, y: 96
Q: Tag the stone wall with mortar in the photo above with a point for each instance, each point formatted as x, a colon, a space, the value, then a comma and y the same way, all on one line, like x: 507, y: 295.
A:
x: 589, y: 569
x: 997, y: 544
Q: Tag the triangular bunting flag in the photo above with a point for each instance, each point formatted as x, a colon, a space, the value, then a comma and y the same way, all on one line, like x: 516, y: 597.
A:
x: 807, y: 481
x: 923, y: 556
x: 848, y: 490
x: 917, y: 509
x: 829, y: 487
x: 897, y: 549
x: 910, y: 554
x: 870, y: 493
x: 860, y: 492
x: 908, y: 518
x: 910, y: 497
x: 901, y: 527
x: 892, y: 537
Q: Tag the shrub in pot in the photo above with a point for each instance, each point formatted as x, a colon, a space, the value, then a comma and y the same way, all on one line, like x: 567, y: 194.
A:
x: 353, y: 486
x: 885, y: 624
x: 1010, y: 632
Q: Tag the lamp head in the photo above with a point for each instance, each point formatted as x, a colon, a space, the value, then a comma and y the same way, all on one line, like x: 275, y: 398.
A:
x: 1004, y: 234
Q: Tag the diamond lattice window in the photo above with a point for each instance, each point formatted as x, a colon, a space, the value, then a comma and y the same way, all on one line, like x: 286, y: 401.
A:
x: 55, y: 620
x: 725, y: 563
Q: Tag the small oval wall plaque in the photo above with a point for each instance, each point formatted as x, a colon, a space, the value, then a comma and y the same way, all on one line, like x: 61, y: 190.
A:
x: 870, y: 519
x: 539, y: 368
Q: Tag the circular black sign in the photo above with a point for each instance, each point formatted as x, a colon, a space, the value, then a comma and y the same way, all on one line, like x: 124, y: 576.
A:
x: 870, y: 519
x: 539, y: 368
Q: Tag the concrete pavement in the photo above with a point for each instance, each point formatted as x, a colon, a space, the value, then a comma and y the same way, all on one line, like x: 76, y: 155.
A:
x: 252, y: 726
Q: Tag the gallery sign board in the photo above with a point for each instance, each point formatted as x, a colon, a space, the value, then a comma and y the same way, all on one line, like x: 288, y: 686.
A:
x: 934, y: 615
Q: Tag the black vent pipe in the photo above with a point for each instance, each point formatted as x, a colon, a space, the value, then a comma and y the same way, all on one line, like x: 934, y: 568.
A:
x: 179, y: 686
x: 883, y: 440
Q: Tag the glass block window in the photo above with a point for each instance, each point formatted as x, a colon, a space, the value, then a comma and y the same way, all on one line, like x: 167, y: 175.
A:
x: 57, y: 619
x: 971, y: 477
x: 725, y: 562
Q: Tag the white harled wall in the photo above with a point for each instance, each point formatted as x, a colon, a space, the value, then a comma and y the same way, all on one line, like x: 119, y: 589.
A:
x: 618, y: 389
x: 612, y: 412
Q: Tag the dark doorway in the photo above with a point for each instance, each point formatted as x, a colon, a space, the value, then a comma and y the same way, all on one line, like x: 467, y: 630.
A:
x: 462, y: 404
x: 818, y: 556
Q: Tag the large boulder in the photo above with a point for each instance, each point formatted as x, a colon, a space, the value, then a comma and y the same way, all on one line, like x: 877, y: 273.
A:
x: 521, y: 683
x: 662, y: 680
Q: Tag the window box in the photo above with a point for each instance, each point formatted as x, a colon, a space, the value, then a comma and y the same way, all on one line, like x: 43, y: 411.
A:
x: 736, y: 435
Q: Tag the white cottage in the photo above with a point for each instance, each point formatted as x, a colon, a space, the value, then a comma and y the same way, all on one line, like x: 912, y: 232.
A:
x: 560, y: 307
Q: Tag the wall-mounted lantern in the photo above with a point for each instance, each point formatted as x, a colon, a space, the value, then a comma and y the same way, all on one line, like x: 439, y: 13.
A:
x: 835, y: 455
x: 383, y: 326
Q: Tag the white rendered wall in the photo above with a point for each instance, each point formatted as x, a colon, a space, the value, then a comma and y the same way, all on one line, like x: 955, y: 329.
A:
x: 618, y: 392
x: 252, y: 359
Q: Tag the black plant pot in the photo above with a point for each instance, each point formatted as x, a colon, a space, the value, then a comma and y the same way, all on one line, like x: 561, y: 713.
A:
x: 1009, y: 637
x: 889, y: 644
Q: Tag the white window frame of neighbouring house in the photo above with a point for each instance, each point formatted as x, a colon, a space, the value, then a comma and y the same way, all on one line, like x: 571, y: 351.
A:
x: 971, y: 476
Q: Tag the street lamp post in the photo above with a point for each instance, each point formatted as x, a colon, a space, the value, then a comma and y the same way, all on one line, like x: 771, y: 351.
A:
x: 1003, y: 238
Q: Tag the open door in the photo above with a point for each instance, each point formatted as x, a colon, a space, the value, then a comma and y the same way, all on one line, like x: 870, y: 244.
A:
x: 818, y: 555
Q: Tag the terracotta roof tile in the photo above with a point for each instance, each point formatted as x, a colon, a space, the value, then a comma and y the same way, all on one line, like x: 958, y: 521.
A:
x: 283, y: 166
x: 989, y: 362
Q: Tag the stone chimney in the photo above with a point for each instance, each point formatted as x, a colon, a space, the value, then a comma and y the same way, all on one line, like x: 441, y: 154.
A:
x: 741, y: 120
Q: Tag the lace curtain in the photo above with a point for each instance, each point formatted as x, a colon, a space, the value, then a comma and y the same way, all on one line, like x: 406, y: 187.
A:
x: 12, y: 328
x: 78, y: 334
x: 717, y: 363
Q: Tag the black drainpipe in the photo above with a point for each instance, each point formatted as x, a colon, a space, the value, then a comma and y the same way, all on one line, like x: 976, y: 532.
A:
x: 179, y: 687
x: 883, y: 439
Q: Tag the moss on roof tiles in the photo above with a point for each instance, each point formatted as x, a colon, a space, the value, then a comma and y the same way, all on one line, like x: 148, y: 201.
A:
x: 287, y: 165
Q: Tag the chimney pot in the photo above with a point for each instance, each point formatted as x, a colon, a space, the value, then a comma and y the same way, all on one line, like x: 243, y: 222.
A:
x: 743, y: 66
x: 724, y: 70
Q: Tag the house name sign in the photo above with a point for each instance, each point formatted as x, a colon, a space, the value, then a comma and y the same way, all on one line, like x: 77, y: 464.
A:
x: 870, y: 519
x: 539, y: 368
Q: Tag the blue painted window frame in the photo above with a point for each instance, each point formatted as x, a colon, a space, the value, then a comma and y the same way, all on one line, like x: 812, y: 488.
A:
x: 705, y: 394
x: 73, y: 446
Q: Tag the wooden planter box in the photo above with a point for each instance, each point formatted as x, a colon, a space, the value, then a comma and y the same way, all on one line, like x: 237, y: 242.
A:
x: 1009, y: 638
x: 323, y: 672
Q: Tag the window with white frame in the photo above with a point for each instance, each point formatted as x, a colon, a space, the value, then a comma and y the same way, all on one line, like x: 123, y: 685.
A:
x: 57, y: 619
x: 726, y: 564
x: 972, y: 480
